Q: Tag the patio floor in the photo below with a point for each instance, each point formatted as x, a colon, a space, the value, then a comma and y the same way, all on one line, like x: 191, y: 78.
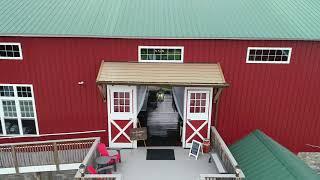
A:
x: 135, y: 166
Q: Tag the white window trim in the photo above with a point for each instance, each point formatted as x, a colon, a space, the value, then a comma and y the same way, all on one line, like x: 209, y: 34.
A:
x: 269, y: 48
x: 17, y: 99
x: 161, y: 47
x: 20, y: 50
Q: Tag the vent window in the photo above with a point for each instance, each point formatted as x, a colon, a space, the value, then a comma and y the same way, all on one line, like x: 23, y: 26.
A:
x: 160, y: 54
x: 268, y: 55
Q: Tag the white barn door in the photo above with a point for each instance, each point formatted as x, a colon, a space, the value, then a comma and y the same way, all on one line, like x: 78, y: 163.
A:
x: 122, y: 116
x: 197, y: 115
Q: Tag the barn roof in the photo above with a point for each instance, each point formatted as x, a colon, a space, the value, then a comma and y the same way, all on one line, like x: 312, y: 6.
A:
x: 261, y: 158
x: 217, y: 19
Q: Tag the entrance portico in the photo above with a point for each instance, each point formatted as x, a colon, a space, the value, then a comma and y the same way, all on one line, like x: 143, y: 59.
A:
x: 119, y: 83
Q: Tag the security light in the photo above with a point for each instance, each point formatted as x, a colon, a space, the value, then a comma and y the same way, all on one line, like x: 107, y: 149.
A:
x: 82, y: 169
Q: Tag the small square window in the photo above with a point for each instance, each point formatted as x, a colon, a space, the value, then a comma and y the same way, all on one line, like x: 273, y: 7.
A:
x: 12, y: 126
x: 24, y: 91
x: 9, y: 108
x: 28, y: 126
x: 6, y: 91
x: 26, y: 108
x: 144, y: 51
x: 127, y: 108
x: 116, y: 108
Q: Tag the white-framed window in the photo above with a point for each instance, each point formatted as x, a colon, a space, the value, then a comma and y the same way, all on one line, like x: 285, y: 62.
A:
x: 17, y: 110
x: 268, y: 55
x: 10, y: 51
x: 161, y: 54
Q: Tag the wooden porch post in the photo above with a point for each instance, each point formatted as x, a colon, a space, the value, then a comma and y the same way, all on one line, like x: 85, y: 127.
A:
x: 15, y: 159
x: 103, y: 91
x: 56, y: 155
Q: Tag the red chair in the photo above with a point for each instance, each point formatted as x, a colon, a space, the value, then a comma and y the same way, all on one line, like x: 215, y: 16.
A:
x: 92, y: 170
x: 104, y: 152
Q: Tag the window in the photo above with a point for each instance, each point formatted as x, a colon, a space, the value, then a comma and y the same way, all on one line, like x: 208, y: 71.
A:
x: 160, y: 54
x: 17, y: 110
x: 10, y: 51
x: 268, y: 55
x: 198, y: 102
x: 121, y: 102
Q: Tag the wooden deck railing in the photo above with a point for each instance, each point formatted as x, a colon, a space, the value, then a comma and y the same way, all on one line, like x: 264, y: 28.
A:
x: 89, y: 160
x: 228, y: 161
x: 44, y: 155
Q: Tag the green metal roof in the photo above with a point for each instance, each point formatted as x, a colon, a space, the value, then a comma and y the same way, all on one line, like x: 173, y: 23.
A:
x: 217, y: 19
x: 261, y: 158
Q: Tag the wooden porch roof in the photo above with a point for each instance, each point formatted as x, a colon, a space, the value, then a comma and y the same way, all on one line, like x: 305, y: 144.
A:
x: 179, y: 74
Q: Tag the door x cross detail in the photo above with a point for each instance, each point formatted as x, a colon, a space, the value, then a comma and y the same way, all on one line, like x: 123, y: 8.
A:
x: 195, y: 131
x: 121, y: 130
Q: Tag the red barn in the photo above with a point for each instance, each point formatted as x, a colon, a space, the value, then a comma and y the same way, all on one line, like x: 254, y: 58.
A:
x: 86, y: 68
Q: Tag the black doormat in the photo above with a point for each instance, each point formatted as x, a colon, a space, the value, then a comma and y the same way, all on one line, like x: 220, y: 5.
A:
x: 160, y: 154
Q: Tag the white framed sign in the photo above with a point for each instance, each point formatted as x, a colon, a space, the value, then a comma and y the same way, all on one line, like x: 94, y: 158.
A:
x: 196, y: 146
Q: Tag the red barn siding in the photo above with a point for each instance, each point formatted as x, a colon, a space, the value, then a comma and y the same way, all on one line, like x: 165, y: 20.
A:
x: 281, y: 100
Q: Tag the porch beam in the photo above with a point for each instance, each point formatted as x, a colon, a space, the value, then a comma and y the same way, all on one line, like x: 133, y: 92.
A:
x: 103, y: 91
x: 216, y: 102
x: 217, y: 95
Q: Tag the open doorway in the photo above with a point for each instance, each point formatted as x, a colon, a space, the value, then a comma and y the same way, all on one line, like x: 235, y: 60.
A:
x: 159, y: 114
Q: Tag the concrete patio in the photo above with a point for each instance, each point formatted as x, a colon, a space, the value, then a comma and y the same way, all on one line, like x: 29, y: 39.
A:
x: 135, y: 166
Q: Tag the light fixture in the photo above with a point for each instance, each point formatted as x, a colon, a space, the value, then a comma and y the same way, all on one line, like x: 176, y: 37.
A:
x: 80, y: 82
x: 82, y: 169
x: 237, y: 171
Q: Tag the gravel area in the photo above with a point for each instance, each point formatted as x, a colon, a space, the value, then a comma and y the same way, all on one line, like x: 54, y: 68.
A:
x: 312, y: 159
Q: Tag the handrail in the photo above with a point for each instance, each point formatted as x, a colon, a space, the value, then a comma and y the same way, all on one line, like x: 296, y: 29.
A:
x: 226, y: 157
x: 47, y: 142
x: 218, y: 176
x: 53, y: 134
x: 225, y: 147
x: 44, y: 153
x: 101, y: 176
